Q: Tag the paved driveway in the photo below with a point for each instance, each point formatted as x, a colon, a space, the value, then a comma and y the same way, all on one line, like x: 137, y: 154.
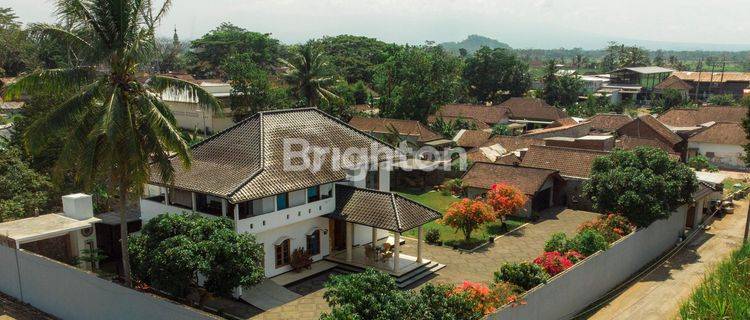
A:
x: 12, y: 309
x: 521, y: 245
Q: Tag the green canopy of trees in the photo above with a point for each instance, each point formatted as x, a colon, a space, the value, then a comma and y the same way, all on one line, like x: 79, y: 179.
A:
x: 644, y: 184
x: 495, y: 74
x: 560, y: 90
x: 354, y: 57
x: 23, y: 191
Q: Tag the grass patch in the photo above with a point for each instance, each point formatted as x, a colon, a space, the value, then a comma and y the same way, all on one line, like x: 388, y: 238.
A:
x: 732, y: 185
x: 448, y: 235
x: 725, y: 293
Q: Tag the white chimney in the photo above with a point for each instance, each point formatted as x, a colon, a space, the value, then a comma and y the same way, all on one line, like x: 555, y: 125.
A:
x: 78, y: 206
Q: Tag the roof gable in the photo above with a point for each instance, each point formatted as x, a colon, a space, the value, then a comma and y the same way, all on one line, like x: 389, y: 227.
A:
x: 568, y: 161
x: 490, y: 115
x: 609, y: 122
x: 648, y: 127
x: 681, y: 117
x: 403, y: 127
x: 471, y: 138
x: 380, y: 209
x: 722, y: 133
x: 529, y: 180
x: 532, y: 109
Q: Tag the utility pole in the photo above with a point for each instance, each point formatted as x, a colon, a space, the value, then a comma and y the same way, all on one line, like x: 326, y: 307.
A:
x: 747, y: 225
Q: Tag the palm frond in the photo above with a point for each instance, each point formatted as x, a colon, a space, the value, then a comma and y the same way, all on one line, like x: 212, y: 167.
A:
x: 161, y: 84
x: 41, y: 30
x: 51, y: 81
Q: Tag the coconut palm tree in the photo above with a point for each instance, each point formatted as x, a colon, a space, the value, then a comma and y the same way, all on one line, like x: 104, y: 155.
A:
x: 307, y: 73
x: 114, y: 125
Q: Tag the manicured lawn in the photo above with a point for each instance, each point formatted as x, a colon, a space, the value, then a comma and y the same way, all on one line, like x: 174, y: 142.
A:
x: 440, y: 202
x: 725, y: 294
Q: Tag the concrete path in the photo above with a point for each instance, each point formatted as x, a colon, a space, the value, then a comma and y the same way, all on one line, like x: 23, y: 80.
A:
x: 268, y: 295
x: 524, y: 244
x: 660, y: 294
x: 12, y: 309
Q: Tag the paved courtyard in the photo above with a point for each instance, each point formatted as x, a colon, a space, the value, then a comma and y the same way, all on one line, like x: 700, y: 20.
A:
x: 521, y: 245
x: 12, y: 309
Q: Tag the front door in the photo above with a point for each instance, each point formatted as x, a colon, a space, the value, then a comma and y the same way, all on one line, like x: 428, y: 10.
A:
x: 338, y: 235
x: 690, y: 219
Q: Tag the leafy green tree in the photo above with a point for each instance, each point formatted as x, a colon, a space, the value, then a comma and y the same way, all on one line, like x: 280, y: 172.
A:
x: 495, y: 74
x: 252, y: 91
x: 23, y: 191
x: 309, y: 75
x: 722, y: 100
x: 501, y: 130
x: 669, y: 99
x: 619, y: 56
x: 113, y: 125
x: 591, y: 106
x: 643, y: 184
x: 415, y: 81
x: 700, y: 162
x: 172, y: 249
x: 560, y: 90
x: 210, y: 51
x: 355, y: 57
x: 17, y: 52
x: 449, y: 128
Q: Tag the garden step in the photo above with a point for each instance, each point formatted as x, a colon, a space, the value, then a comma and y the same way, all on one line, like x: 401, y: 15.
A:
x: 416, y: 277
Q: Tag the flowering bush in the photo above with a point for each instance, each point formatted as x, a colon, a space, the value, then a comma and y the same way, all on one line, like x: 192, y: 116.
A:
x: 612, y: 226
x: 505, y: 199
x: 573, y: 256
x: 486, y: 301
x: 506, y: 292
x: 466, y: 215
x: 525, y: 275
x: 553, y: 262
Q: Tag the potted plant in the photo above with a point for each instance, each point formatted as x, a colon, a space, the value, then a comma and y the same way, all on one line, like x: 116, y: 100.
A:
x: 301, y: 259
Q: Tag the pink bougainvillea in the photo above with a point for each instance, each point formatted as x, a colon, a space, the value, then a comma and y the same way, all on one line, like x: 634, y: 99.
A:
x: 553, y: 262
x: 486, y: 300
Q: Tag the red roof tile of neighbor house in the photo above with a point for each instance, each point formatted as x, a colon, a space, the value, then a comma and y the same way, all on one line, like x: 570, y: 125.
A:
x: 694, y: 117
x: 489, y: 115
x: 573, y: 131
x: 629, y: 143
x: 471, y: 138
x: 673, y: 82
x: 569, y: 162
x: 713, y: 76
x: 648, y: 127
x: 562, y: 122
x: 532, y: 109
x: 510, y: 159
x: 481, y: 125
x: 529, y: 180
x: 513, y: 143
x: 403, y: 127
x: 609, y: 122
x: 722, y: 133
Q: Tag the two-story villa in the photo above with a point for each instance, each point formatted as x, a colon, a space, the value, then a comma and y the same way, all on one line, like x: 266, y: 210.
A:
x: 331, y: 212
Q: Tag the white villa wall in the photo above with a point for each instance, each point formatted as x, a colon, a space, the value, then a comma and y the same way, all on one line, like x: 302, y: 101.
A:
x: 297, y: 233
x: 189, y: 116
x: 70, y: 293
x: 576, y: 288
x: 282, y: 218
x: 725, y: 155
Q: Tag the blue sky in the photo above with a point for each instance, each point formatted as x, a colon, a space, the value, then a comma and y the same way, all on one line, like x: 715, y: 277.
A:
x: 521, y: 23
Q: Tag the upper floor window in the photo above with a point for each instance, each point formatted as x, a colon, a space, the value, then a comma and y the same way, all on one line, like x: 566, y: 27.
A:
x: 372, y: 179
x: 313, y: 194
x: 282, y: 201
x: 245, y: 210
x: 208, y: 204
x: 326, y: 191
x: 313, y: 243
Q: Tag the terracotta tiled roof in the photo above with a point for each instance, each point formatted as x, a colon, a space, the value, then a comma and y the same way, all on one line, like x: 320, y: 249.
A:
x: 569, y: 162
x: 722, y: 133
x: 404, y: 127
x: 489, y: 115
x: 471, y: 138
x: 483, y: 175
x: 695, y: 117
x: 713, y: 77
x: 673, y: 82
x: 648, y: 127
x: 245, y: 161
x: 629, y: 143
x: 479, y: 124
x: 562, y: 122
x: 532, y: 109
x: 513, y: 143
x: 609, y: 122
x: 380, y: 209
x: 573, y: 131
x: 509, y: 159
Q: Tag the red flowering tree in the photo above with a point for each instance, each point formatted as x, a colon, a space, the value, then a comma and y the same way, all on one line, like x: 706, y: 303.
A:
x: 486, y: 301
x: 467, y: 215
x: 505, y: 199
x: 553, y: 262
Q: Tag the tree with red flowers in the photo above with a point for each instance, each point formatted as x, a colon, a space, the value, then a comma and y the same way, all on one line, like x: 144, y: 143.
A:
x: 486, y: 301
x: 553, y: 262
x: 467, y: 215
x: 505, y: 199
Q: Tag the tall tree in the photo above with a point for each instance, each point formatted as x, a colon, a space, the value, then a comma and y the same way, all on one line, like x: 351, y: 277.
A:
x: 252, y: 91
x: 415, y: 81
x: 560, y: 90
x: 309, y: 75
x: 355, y: 57
x: 493, y: 74
x: 17, y: 52
x: 114, y: 125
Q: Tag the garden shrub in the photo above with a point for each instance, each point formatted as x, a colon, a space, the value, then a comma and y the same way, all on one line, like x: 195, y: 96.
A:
x: 485, y: 301
x: 589, y: 241
x: 574, y: 256
x: 553, y: 262
x: 612, y: 226
x: 432, y: 236
x: 506, y: 292
x: 451, y: 187
x: 558, y: 242
x: 525, y: 275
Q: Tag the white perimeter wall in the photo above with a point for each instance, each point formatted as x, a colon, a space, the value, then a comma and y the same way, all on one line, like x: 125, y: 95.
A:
x: 70, y: 293
x: 724, y: 154
x: 576, y: 288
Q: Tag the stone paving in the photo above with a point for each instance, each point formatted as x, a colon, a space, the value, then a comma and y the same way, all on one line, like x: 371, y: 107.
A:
x: 520, y: 245
x: 12, y: 309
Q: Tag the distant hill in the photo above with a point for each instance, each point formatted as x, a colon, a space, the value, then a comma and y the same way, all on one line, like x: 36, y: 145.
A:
x: 473, y: 43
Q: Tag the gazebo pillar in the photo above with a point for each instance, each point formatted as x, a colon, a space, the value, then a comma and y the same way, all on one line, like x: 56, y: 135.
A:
x: 396, y: 245
x: 374, y: 236
x: 419, y: 244
x: 349, y: 237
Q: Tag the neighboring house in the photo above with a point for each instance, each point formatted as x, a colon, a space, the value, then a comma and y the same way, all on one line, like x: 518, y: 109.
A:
x: 630, y: 143
x: 647, y: 127
x: 571, y: 131
x: 328, y: 211
x: 674, y: 83
x: 636, y: 83
x: 541, y: 187
x: 569, y: 121
x: 574, y: 165
x: 608, y: 122
x: 532, y: 112
x: 705, y: 84
x: 690, y: 119
x: 411, y: 131
x: 591, y: 142
x: 192, y: 116
x: 592, y: 83
x: 722, y: 143
x: 488, y: 115
x: 480, y: 125
x: 470, y: 139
